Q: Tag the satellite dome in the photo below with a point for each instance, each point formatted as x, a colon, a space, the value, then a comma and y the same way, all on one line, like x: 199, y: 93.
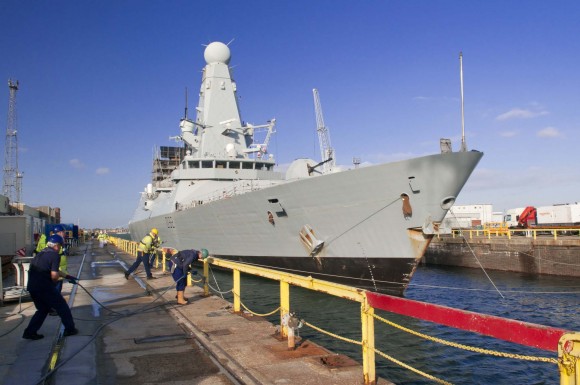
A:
x: 217, y: 52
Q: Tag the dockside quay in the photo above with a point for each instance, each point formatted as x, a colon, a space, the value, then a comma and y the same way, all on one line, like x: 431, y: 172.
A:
x: 133, y: 331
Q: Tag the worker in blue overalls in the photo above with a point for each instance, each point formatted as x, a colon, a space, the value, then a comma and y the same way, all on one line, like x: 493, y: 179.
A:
x: 43, y: 274
x: 180, y: 265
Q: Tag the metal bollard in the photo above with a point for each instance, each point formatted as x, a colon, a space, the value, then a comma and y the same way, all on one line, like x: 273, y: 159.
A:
x: 291, y: 322
x: 291, y: 341
x: 568, y: 359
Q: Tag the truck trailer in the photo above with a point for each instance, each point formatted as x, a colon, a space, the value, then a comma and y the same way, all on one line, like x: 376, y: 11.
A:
x: 555, y: 216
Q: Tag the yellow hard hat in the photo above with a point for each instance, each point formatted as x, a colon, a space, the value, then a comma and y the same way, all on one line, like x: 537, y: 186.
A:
x: 154, y: 231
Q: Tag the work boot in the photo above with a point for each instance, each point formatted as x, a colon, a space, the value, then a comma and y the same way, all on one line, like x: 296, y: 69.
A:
x: 71, y: 332
x: 32, y: 336
x: 184, y: 297
x: 180, y: 299
x: 127, y: 275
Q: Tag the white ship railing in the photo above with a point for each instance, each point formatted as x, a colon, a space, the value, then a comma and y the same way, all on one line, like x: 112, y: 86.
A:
x: 239, y: 188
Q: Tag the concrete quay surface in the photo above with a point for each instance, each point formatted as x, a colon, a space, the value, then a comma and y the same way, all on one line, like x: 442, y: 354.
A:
x: 139, y: 335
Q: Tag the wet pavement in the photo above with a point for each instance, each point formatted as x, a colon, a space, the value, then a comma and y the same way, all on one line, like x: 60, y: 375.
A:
x: 133, y: 332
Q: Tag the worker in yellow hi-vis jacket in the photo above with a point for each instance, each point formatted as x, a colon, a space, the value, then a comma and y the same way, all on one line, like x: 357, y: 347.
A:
x: 146, y: 247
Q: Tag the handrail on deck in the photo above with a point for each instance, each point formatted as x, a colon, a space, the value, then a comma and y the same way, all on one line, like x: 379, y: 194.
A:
x: 566, y: 343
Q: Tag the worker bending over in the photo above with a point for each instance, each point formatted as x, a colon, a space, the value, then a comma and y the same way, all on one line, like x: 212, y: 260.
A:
x: 180, y: 265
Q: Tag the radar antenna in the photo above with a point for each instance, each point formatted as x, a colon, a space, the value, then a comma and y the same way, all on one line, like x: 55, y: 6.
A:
x: 186, y: 103
x: 326, y: 150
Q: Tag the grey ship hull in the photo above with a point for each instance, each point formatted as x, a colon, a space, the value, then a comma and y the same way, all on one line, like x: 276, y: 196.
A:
x: 366, y: 236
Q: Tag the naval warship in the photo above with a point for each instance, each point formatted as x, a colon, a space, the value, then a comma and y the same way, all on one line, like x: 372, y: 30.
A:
x: 366, y: 227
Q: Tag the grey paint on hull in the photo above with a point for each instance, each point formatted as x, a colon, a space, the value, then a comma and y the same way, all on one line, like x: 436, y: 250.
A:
x: 357, y: 213
x: 226, y: 197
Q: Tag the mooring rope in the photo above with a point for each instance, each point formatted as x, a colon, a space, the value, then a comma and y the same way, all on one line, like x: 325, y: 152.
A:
x: 475, y: 256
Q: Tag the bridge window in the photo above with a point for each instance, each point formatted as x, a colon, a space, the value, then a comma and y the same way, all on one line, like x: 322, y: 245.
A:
x: 206, y: 164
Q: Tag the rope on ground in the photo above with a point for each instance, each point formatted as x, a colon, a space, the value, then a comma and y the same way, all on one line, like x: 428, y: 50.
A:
x: 394, y: 360
x: 97, y: 301
x: 466, y: 347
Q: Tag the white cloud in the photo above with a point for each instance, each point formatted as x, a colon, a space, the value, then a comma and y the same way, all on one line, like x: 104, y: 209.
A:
x: 76, y: 163
x: 549, y: 132
x: 102, y: 170
x: 519, y: 113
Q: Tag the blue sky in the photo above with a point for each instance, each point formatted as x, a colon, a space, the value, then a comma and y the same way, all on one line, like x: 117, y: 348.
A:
x: 102, y: 83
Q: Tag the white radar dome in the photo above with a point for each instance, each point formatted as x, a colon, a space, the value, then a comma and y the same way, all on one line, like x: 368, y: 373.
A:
x: 217, y: 52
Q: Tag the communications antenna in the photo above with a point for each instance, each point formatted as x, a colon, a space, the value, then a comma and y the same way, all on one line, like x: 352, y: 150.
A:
x: 12, y: 186
x: 326, y: 150
x: 463, y: 144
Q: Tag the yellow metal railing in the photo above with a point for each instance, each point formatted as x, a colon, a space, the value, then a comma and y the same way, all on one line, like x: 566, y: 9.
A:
x: 509, y: 233
x: 568, y: 347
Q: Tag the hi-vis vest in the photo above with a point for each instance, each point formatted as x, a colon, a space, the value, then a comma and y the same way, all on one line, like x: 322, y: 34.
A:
x: 146, y: 244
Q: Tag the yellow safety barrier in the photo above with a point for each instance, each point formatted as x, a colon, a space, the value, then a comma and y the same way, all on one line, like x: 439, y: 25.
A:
x: 568, y: 349
x: 528, y: 233
x: 287, y: 279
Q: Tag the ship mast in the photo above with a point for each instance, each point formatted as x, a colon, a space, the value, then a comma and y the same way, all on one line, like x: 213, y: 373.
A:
x: 463, y: 144
x: 185, y: 103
